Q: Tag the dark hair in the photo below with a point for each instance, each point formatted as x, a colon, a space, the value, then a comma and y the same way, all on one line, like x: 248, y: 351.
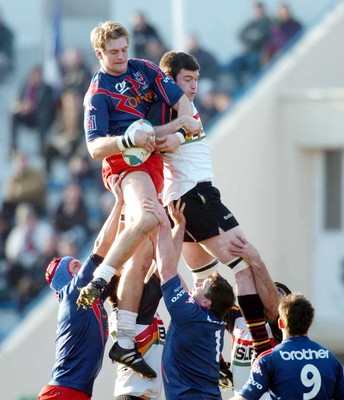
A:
x: 221, y: 295
x: 172, y: 63
x: 297, y: 313
x: 282, y: 288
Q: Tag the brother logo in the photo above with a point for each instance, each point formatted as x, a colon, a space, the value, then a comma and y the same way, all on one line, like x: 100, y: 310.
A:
x: 304, y: 354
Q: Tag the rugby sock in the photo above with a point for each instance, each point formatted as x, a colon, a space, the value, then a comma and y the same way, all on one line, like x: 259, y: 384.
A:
x: 237, y: 265
x: 203, y: 272
x: 126, y: 328
x: 253, y: 311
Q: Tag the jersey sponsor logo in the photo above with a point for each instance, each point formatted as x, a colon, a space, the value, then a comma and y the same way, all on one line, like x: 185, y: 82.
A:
x: 121, y: 87
x: 252, y: 382
x: 243, y: 353
x: 229, y: 215
x: 304, y: 354
x: 178, y: 295
x: 91, y: 123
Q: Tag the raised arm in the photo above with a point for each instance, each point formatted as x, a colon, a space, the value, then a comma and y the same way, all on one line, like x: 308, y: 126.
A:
x: 109, y: 230
x: 167, y: 251
x: 265, y: 286
x: 178, y: 218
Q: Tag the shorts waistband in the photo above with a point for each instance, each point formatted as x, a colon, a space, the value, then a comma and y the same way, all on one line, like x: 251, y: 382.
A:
x: 204, y: 183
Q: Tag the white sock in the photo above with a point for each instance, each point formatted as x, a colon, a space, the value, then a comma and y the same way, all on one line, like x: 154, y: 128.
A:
x: 126, y: 328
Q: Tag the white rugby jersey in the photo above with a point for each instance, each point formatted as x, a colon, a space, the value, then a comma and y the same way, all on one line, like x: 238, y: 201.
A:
x: 187, y: 166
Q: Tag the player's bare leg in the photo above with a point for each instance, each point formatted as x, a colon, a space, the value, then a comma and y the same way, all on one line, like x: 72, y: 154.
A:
x: 248, y: 298
x: 129, y: 295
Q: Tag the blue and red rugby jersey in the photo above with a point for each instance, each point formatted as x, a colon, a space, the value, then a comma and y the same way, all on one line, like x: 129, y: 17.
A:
x: 112, y: 103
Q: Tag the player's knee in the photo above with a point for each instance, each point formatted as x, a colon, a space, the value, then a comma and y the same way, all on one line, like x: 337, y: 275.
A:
x: 148, y: 223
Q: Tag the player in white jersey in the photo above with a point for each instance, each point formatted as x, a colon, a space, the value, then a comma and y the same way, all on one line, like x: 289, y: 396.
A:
x: 210, y: 226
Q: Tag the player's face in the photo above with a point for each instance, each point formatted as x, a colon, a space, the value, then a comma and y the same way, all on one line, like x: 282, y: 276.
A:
x: 188, y: 82
x: 114, y: 59
x: 74, y: 266
x: 199, y: 292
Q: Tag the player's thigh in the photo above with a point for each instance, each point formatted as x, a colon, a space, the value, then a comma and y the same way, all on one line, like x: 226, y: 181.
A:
x: 218, y: 246
x: 137, y: 186
x: 195, y: 256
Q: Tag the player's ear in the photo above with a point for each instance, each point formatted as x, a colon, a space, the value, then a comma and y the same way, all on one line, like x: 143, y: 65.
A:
x: 280, y: 323
x: 98, y: 54
x: 207, y: 303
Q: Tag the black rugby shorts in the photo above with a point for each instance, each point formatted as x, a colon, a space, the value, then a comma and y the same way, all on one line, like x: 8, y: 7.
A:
x: 205, y: 213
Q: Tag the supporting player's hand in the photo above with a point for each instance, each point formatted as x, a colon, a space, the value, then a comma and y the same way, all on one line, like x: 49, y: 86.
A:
x: 167, y: 144
x: 240, y: 247
x: 153, y: 206
x: 176, y: 211
x: 114, y: 182
x: 88, y: 295
x: 192, y: 126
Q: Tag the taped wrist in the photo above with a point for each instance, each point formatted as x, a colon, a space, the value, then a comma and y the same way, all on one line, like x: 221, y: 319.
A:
x: 105, y: 272
x: 99, y: 283
x: 125, y: 141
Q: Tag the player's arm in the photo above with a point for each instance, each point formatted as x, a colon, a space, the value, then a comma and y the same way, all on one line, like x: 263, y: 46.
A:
x: 103, y: 147
x: 166, y: 257
x: 265, y: 286
x: 102, y: 245
x: 184, y: 124
x: 178, y: 231
x: 109, y: 230
x: 171, y: 130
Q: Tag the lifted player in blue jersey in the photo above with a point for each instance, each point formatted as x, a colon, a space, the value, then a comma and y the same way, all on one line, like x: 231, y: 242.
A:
x: 298, y: 368
x: 194, y: 341
x: 120, y: 93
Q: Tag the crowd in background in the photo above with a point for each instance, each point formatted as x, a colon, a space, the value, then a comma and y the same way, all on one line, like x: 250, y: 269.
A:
x: 42, y: 216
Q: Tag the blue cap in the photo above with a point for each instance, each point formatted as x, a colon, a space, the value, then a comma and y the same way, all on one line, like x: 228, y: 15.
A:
x: 57, y: 273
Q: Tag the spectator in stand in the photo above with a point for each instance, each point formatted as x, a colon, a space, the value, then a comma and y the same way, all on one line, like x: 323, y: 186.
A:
x: 211, y: 102
x: 76, y: 74
x: 207, y: 61
x: 34, y: 107
x: 29, y: 244
x: 71, y: 215
x: 155, y: 50
x: 253, y: 37
x: 26, y: 184
x: 283, y: 29
x: 6, y: 48
x: 144, y: 36
x: 67, y: 131
x: 5, y: 228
